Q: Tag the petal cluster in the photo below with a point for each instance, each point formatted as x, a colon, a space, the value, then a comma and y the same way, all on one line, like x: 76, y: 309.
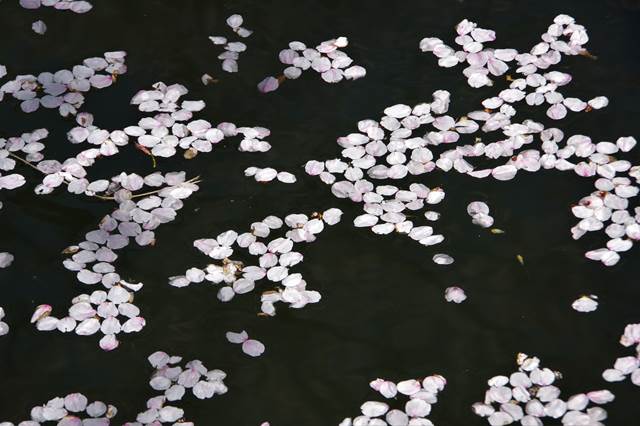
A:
x: 76, y: 6
x: 232, y: 49
x: 64, y: 90
x: 414, y: 399
x: 410, y: 141
x: 629, y: 366
x: 73, y: 409
x: 112, y: 311
x: 174, y: 381
x: 326, y: 59
x: 276, y: 258
x: 530, y: 396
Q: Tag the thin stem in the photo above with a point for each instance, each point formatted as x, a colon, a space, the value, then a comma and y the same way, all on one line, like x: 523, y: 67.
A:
x: 28, y: 163
x: 144, y: 194
x: 102, y: 197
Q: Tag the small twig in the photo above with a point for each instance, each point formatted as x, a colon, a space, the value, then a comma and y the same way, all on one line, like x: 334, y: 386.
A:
x: 144, y: 194
x: 146, y: 151
x: 587, y: 54
x: 102, y: 197
x: 28, y: 163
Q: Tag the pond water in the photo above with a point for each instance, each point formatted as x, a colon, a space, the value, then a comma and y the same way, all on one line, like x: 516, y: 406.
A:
x: 383, y: 312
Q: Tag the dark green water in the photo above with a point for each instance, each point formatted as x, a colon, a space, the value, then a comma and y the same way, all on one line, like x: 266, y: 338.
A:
x: 383, y: 313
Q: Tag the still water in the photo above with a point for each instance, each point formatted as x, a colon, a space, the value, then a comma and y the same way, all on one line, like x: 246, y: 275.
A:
x: 383, y: 313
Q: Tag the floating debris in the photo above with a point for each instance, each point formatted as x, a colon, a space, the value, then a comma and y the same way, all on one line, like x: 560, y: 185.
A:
x: 207, y: 79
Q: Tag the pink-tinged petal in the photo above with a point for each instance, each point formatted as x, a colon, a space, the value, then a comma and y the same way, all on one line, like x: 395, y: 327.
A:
x: 89, y: 277
x: 613, y: 375
x: 287, y: 56
x: 158, y: 359
x: 253, y: 348
x: 88, y: 327
x: 170, y: 414
x: 237, y: 337
x: 100, y: 81
x: 557, y: 112
x: 75, y: 402
x: 230, y: 65
x: 477, y: 80
x: 601, y: 396
x: 81, y: 6
x: 332, y: 75
x: 234, y: 21
x: 12, y: 181
x: 30, y: 4
x: 409, y: 387
x: 388, y: 389
x: 47, y: 323
x: 40, y: 312
x: 627, y: 365
x: 204, y: 389
x: 481, y: 35
x: 109, y: 342
x: 598, y: 102
x: 585, y: 304
x: 39, y: 27
x: 355, y: 72
x: 374, y: 408
x: 133, y: 325
x: 321, y: 64
x: 30, y: 105
x: 497, y: 67
x: 6, y: 259
x: 455, y: 295
x: 506, y: 172
x: 269, y: 84
x: 417, y: 408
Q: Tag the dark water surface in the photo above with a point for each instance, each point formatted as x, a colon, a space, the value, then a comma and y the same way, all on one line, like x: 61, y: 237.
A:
x: 383, y: 313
